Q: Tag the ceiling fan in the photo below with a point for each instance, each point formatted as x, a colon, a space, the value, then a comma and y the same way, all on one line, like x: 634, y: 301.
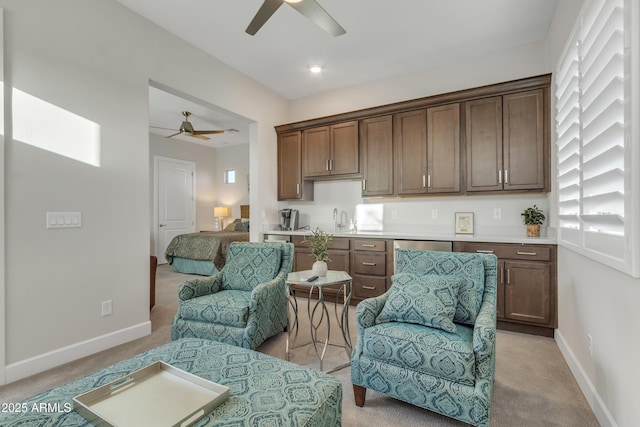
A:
x: 187, y: 128
x: 309, y: 8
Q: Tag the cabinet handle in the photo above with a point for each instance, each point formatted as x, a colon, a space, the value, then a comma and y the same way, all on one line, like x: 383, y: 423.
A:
x: 369, y: 288
x: 484, y: 251
x: 526, y: 253
x: 369, y: 263
x: 506, y: 176
x: 365, y: 245
x: 500, y: 176
x: 364, y: 185
x: 429, y: 180
x: 327, y: 167
x: 330, y: 164
x: 508, y: 276
x: 297, y: 188
x: 424, y: 181
x: 501, y: 274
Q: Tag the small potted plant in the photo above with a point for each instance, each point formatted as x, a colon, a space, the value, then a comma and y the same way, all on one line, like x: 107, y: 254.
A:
x: 533, y: 217
x: 319, y: 241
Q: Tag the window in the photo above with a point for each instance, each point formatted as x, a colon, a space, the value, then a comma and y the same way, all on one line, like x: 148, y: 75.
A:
x: 230, y: 176
x: 596, y: 104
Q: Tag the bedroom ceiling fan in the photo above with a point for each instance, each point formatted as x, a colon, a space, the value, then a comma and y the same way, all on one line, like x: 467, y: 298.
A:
x: 309, y: 8
x: 187, y: 128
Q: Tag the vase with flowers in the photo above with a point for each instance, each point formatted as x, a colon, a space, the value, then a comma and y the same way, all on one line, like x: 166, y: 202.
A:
x: 319, y: 241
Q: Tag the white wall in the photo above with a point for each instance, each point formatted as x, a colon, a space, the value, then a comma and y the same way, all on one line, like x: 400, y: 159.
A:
x: 597, y: 300
x: 94, y: 59
x: 235, y: 157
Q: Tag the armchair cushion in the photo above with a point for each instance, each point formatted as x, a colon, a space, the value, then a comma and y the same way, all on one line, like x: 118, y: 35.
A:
x: 228, y: 307
x: 424, y: 300
x: 423, y: 350
x: 466, y: 265
x: 249, y: 266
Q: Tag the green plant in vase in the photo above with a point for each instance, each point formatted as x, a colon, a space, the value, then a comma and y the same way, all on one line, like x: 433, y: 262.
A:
x: 533, y: 217
x: 319, y: 241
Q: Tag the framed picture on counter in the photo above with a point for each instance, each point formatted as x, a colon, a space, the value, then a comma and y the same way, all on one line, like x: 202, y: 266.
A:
x: 464, y: 222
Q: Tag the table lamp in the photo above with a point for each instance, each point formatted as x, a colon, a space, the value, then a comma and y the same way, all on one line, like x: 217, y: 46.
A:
x: 221, y: 212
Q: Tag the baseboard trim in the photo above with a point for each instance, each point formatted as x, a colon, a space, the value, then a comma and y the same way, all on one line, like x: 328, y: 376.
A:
x: 590, y: 393
x: 25, y: 368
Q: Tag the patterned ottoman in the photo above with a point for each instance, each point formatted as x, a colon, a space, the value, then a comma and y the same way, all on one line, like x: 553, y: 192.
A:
x: 264, y: 391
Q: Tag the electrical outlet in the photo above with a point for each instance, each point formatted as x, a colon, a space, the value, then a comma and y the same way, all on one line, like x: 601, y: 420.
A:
x: 107, y: 308
x: 590, y: 344
x: 497, y: 213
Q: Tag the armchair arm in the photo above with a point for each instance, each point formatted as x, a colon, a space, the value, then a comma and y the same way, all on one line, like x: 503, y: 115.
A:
x: 367, y: 311
x: 267, y: 311
x: 484, y: 340
x: 261, y: 294
x: 198, y: 287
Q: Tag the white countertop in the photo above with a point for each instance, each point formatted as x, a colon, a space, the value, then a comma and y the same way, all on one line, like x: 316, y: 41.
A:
x: 523, y: 239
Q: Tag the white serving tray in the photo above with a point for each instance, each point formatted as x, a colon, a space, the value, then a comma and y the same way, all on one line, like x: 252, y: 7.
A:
x: 157, y: 395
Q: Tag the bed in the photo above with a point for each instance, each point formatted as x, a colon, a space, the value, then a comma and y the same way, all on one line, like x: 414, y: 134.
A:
x: 205, y: 253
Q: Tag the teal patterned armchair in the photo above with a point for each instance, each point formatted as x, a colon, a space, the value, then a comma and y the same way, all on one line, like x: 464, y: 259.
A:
x: 430, y: 339
x: 244, y: 303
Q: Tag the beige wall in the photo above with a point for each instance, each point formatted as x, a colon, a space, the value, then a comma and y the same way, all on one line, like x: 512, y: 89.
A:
x: 94, y: 59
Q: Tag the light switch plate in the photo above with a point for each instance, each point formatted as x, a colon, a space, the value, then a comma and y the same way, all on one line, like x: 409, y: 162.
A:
x: 64, y: 219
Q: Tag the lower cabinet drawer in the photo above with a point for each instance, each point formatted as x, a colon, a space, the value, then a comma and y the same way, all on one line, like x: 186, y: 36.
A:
x: 370, y: 263
x: 368, y: 287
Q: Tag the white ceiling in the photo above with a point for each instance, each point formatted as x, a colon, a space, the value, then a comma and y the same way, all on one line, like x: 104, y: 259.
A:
x: 384, y: 38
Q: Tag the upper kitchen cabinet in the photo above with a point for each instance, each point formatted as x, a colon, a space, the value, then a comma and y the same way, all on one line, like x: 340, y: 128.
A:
x: 331, y: 151
x: 505, y: 143
x: 410, y: 140
x: 376, y: 138
x: 291, y: 186
x: 523, y: 140
x: 427, y: 150
x: 487, y: 139
x: 443, y: 149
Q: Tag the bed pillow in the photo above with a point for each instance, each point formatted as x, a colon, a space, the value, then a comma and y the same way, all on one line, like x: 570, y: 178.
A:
x: 428, y: 300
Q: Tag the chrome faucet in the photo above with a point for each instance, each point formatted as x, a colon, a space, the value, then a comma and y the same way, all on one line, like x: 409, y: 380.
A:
x: 342, y: 217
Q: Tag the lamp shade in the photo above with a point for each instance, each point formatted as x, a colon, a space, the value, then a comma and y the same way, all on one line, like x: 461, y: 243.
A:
x: 221, y: 211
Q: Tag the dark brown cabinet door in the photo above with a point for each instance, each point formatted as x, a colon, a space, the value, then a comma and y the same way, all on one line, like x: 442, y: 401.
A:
x: 410, y: 141
x: 484, y: 144
x: 377, y: 155
x: 500, y: 294
x: 443, y: 149
x: 316, y: 151
x: 331, y: 150
x: 523, y: 127
x: 345, y: 152
x: 527, y: 292
x: 289, y: 166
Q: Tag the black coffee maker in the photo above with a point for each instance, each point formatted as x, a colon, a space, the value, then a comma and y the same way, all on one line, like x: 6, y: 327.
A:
x: 289, y: 219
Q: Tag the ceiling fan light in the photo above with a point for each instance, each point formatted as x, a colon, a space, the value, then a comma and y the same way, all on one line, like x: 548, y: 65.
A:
x: 292, y: 1
x: 316, y: 69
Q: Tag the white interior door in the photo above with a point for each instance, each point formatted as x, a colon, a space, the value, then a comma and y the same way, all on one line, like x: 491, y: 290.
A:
x: 175, y: 190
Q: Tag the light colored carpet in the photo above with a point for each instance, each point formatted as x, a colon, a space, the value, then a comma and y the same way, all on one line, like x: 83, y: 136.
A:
x: 533, y: 385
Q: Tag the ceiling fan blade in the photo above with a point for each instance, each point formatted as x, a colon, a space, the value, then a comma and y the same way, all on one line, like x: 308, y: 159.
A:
x: 158, y: 127
x: 267, y: 9
x: 195, y: 135
x: 178, y: 133
x: 206, y: 132
x: 312, y: 10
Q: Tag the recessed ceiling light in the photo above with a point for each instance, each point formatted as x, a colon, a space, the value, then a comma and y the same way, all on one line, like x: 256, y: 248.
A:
x: 316, y: 69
